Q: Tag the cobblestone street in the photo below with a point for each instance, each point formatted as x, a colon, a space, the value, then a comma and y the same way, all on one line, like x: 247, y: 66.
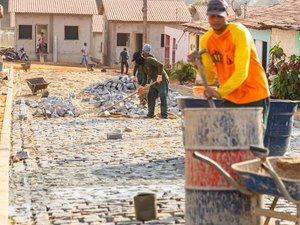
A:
x: 73, y: 174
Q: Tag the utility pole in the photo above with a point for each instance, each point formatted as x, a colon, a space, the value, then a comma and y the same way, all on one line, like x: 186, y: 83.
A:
x: 144, y: 10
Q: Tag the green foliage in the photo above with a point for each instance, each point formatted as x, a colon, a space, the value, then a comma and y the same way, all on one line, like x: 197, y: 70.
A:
x: 183, y: 72
x: 286, y: 84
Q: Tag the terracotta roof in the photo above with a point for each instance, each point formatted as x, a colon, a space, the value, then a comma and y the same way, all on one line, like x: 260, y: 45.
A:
x: 158, y: 10
x: 284, y: 15
x: 97, y: 23
x: 200, y: 10
x: 83, y: 7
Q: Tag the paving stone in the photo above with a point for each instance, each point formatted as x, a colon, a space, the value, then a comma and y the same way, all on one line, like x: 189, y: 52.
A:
x: 76, y: 176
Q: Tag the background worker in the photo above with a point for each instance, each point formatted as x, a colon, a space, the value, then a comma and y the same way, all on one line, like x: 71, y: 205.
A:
x: 138, y: 60
x: 232, y: 57
x: 153, y: 72
x: 42, y: 43
x: 84, y: 54
x: 124, y: 56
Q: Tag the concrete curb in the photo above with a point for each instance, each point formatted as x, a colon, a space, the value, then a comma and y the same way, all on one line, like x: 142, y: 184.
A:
x: 5, y: 152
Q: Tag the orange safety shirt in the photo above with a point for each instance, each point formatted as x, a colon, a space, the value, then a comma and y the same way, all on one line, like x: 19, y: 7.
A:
x: 233, y: 58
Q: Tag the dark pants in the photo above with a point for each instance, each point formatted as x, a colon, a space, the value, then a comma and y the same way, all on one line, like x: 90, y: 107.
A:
x: 264, y: 103
x: 139, y: 78
x: 122, y: 67
x: 161, y: 91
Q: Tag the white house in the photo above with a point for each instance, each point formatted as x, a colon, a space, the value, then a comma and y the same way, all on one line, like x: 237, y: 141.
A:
x: 123, y: 27
x: 66, y: 25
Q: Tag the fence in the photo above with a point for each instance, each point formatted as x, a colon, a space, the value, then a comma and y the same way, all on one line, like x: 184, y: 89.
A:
x: 7, y: 38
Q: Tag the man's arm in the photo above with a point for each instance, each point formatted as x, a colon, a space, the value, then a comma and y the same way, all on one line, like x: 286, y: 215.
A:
x: 242, y: 40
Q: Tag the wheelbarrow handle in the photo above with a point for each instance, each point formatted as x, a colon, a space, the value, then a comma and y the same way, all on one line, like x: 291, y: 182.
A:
x: 221, y: 171
x: 268, y: 167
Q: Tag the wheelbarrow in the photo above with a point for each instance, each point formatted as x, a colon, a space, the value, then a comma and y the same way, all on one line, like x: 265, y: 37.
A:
x: 37, y: 84
x: 265, y: 176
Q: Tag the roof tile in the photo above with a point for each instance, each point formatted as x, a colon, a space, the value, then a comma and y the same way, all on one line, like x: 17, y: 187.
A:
x: 97, y: 23
x: 86, y: 7
x: 158, y: 10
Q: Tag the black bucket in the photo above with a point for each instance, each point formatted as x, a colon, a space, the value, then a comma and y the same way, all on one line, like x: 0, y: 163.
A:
x: 191, y: 102
x: 279, y: 127
x: 145, y: 206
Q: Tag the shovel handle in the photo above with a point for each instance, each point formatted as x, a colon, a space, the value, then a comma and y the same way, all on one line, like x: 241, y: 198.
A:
x: 268, y: 167
x: 122, y: 100
x: 199, y: 64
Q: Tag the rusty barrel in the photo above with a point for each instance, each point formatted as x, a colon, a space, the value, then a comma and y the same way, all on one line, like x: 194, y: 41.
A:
x: 224, y: 135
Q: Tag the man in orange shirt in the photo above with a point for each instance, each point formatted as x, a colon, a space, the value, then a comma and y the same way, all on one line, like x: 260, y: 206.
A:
x: 231, y: 56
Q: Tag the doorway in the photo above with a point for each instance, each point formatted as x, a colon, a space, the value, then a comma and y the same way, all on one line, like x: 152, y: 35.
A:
x: 138, y: 42
x: 41, y: 38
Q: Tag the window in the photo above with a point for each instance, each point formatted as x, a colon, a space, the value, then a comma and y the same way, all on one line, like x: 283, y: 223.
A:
x: 25, y: 32
x: 197, y: 43
x: 162, y: 40
x: 71, y: 33
x: 123, y: 39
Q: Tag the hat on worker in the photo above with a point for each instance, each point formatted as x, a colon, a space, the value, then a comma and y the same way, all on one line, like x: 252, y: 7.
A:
x: 217, y: 7
x: 147, y: 48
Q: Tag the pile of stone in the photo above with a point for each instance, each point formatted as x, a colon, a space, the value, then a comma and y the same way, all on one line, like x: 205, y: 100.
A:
x: 113, y: 90
x: 51, y: 107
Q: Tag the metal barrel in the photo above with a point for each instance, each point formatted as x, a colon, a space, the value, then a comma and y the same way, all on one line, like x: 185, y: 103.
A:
x: 279, y: 126
x: 224, y: 135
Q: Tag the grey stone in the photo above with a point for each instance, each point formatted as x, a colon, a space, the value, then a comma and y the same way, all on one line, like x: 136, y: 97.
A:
x: 116, y: 134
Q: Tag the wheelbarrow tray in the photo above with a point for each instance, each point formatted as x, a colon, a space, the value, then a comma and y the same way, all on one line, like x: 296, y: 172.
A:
x: 256, y: 179
x: 36, y: 84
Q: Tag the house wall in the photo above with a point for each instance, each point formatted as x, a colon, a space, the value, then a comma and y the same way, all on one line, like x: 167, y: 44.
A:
x: 29, y: 44
x: 96, y: 51
x: 262, y: 36
x: 286, y: 39
x: 154, y: 32
x: 68, y: 51
x: 181, y: 42
x: 298, y: 43
x: 192, y: 45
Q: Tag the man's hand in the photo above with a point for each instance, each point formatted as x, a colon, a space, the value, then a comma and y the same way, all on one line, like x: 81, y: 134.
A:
x: 211, y: 93
x: 159, y: 78
x: 192, y: 59
x: 140, y: 90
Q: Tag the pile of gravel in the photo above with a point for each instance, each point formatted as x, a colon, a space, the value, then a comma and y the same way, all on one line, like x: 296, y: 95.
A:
x: 112, y: 90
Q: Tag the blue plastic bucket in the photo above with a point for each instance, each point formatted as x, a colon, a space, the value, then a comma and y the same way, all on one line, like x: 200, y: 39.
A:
x: 279, y: 126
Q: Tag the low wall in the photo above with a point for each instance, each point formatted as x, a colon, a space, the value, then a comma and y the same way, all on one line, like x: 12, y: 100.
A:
x: 5, y: 151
